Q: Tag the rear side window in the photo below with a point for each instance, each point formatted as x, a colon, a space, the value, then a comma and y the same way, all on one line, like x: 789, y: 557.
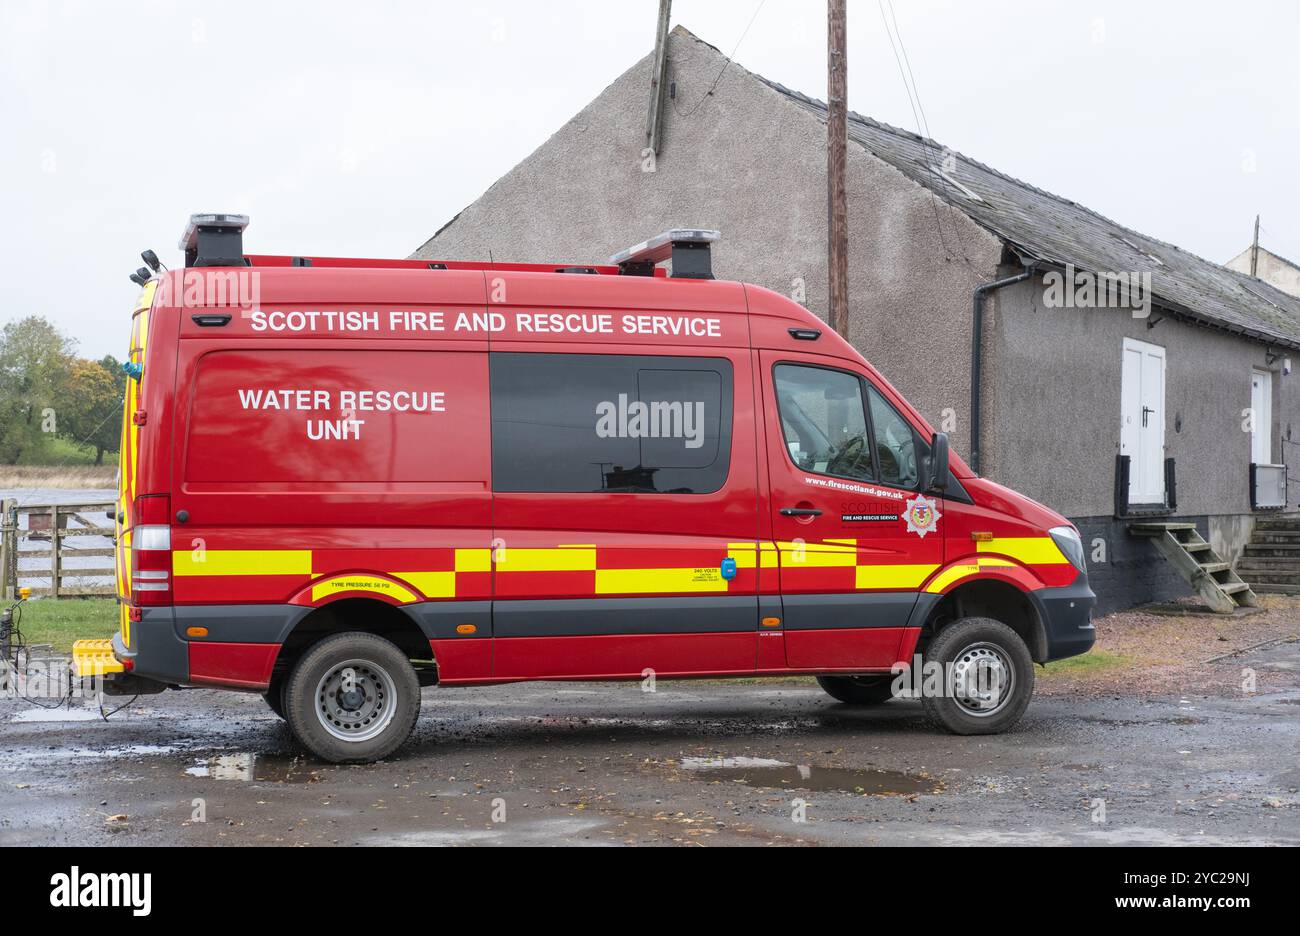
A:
x: 619, y: 423
x: 287, y: 419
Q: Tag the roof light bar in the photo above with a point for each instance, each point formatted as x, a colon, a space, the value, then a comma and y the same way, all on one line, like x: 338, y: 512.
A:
x: 214, y: 240
x: 688, y: 248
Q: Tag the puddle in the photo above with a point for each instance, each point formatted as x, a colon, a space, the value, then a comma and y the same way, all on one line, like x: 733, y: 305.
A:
x: 248, y: 767
x: 729, y: 763
x: 777, y: 775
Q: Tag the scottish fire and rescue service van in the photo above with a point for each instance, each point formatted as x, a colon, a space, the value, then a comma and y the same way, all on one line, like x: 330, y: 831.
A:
x: 344, y: 480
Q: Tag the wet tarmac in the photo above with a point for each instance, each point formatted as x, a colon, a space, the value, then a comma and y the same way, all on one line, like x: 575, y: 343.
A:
x: 695, y: 763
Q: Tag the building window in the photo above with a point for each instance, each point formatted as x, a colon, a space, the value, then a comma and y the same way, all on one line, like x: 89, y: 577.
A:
x: 573, y: 423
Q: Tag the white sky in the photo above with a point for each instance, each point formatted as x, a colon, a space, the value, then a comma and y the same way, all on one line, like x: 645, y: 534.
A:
x: 358, y: 129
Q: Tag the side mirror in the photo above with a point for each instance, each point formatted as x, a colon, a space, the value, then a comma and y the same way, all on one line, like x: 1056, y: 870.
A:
x: 938, y: 462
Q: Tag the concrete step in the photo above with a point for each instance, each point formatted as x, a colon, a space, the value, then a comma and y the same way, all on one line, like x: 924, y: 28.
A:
x: 1235, y: 587
x: 1278, y: 523
x: 1279, y: 537
x: 1213, y: 567
x: 1251, y: 561
x: 1266, y: 589
x: 1270, y: 576
x: 1272, y: 549
x: 1201, y: 547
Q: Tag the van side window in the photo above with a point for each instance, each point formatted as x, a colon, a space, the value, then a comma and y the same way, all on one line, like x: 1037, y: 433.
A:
x: 896, y: 445
x: 574, y: 423
x: 823, y: 421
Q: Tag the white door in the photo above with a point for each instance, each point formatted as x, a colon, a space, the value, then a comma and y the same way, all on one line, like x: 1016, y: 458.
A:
x: 1261, y: 409
x: 1142, y: 420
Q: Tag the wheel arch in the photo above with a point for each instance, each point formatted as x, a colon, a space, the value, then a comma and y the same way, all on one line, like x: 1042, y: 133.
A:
x: 368, y: 615
x: 992, y: 598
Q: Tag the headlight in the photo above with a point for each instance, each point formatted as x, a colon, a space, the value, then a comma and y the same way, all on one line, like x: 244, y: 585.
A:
x: 1067, y: 540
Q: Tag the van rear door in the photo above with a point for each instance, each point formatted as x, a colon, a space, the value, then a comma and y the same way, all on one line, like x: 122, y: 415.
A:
x: 855, y: 539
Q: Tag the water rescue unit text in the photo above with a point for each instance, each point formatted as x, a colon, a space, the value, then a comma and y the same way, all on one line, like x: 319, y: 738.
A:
x: 348, y: 402
x: 533, y: 323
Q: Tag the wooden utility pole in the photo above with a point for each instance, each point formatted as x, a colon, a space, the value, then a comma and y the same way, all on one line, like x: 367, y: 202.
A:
x: 1254, y: 249
x: 837, y: 92
x: 654, y: 126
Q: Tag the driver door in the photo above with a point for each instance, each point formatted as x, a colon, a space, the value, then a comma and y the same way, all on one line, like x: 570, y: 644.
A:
x: 854, y: 536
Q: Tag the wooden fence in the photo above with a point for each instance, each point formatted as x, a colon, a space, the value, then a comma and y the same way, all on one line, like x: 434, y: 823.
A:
x: 37, y: 540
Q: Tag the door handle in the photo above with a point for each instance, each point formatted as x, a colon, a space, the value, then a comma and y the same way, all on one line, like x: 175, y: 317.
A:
x: 800, y: 512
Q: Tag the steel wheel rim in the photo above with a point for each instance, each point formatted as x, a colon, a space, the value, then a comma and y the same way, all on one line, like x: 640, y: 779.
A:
x: 983, y: 679
x: 356, y: 700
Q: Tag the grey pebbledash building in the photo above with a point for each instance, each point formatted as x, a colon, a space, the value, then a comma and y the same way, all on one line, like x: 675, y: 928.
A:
x: 1133, y: 412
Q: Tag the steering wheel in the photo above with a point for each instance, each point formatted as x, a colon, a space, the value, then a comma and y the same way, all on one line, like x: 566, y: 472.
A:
x: 848, y: 457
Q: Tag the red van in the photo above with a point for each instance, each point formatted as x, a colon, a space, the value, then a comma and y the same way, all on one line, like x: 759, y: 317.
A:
x: 343, y: 480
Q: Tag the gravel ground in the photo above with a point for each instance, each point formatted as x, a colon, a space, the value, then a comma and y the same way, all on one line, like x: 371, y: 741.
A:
x: 1128, y: 753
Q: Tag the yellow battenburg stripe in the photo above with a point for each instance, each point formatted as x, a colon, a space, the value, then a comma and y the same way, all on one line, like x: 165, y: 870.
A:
x: 346, y: 583
x: 472, y: 560
x: 819, y: 555
x: 575, y: 559
x: 241, y: 562
x: 953, y: 573
x: 753, y: 555
x: 893, y: 576
x: 659, y: 581
x: 1031, y: 550
x: 430, y: 584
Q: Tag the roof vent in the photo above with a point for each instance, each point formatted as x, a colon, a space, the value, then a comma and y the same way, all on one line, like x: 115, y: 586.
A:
x: 689, y: 250
x: 214, y: 240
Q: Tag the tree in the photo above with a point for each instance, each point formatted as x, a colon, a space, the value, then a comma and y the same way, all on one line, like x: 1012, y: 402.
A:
x: 92, y: 412
x: 35, y: 360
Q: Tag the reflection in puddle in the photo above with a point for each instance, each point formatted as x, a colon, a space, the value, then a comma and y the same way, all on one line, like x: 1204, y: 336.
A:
x: 248, y: 766
x: 761, y: 772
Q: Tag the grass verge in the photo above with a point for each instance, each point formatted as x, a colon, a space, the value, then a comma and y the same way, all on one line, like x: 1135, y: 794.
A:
x: 57, y: 476
x: 60, y: 622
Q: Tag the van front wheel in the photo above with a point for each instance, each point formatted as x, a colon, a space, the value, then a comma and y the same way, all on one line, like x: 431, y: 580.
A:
x: 987, y: 677
x: 352, y: 698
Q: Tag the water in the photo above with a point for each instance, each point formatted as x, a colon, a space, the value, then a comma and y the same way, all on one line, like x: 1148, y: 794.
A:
x: 247, y: 766
x: 777, y: 775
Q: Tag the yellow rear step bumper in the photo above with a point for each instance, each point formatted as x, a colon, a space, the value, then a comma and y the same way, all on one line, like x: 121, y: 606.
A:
x: 94, y: 658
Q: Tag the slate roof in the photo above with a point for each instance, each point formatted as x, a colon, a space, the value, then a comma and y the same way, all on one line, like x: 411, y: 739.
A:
x: 1046, y: 227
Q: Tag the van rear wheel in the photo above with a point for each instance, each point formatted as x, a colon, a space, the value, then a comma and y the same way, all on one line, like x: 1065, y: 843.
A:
x: 988, y: 677
x: 352, y: 698
x: 858, y: 690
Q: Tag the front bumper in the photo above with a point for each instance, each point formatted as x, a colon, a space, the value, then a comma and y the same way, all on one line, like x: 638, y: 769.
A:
x: 1066, y: 614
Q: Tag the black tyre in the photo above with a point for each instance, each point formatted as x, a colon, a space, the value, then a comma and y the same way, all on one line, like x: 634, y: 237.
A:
x: 274, y: 695
x: 858, y: 690
x: 988, y: 677
x: 352, y: 698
